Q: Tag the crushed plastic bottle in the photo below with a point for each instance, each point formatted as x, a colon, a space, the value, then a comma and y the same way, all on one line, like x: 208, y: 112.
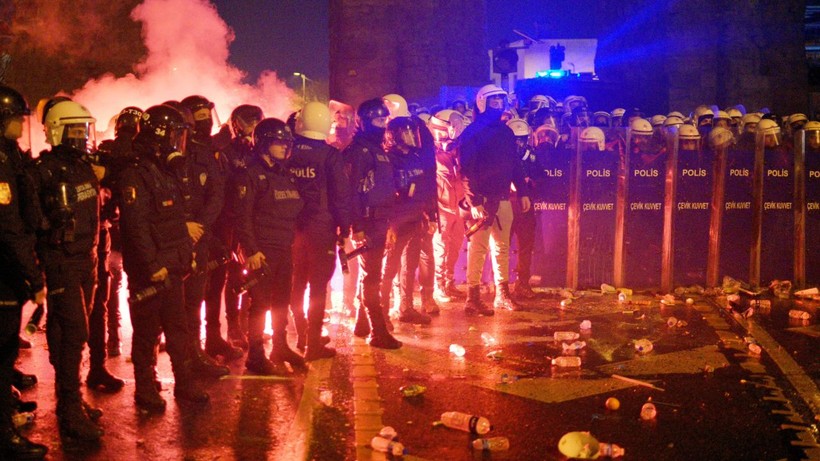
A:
x: 648, y: 411
x: 730, y: 285
x: 567, y: 361
x: 607, y: 289
x: 387, y: 446
x: 643, y: 346
x: 412, y: 390
x: 668, y: 299
x: 621, y: 297
x: 574, y: 346
x: 586, y: 325
x: 465, y: 422
x: 798, y: 314
x: 457, y: 350
x: 565, y: 336
x: 488, y: 339
x: 610, y: 450
x: 492, y: 444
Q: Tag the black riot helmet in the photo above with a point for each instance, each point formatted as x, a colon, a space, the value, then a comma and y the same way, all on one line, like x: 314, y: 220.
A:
x: 244, y: 119
x: 272, y: 131
x: 128, y: 122
x: 200, y: 108
x: 12, y: 103
x: 163, y: 128
x: 372, y: 116
x: 403, y: 133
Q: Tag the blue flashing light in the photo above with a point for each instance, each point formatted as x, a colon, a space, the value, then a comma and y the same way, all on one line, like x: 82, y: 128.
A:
x: 551, y: 74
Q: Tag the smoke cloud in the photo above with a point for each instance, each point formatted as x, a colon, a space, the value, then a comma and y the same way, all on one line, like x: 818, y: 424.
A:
x: 188, y: 48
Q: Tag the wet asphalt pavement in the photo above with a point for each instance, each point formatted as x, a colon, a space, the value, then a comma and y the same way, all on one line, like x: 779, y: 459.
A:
x: 715, y: 400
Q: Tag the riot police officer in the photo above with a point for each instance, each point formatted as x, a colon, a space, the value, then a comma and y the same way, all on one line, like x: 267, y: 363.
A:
x: 20, y: 276
x: 267, y: 205
x: 371, y: 176
x: 203, y: 186
x: 523, y: 225
x: 490, y: 165
x: 115, y: 154
x: 157, y: 255
x: 234, y: 157
x: 66, y: 219
x: 323, y: 223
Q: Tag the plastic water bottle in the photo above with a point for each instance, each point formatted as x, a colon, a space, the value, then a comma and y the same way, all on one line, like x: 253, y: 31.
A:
x: 467, y: 423
x: 798, y: 314
x: 610, y: 450
x: 387, y: 446
x: 643, y: 346
x: 755, y: 349
x: 575, y: 346
x: 567, y: 361
x: 412, y: 390
x: 457, y: 350
x: 565, y: 336
x: 648, y: 411
x: 492, y: 444
x: 488, y: 339
x: 586, y: 325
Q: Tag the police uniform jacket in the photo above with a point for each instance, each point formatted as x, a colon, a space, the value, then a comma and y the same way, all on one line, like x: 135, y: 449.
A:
x: 267, y: 205
x: 154, y: 234
x: 319, y: 172
x: 19, y: 274
x: 371, y: 178
x: 203, y: 185
x: 415, y: 185
x: 65, y: 214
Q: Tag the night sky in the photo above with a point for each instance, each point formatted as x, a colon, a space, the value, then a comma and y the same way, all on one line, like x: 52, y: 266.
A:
x: 292, y: 36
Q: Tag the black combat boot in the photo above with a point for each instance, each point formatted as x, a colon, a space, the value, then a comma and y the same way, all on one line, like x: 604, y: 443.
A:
x: 75, y: 423
x: 523, y: 290
x: 99, y: 378
x: 216, y: 346
x: 362, y: 328
x: 474, y: 306
x: 503, y: 300
x: 407, y: 314
x: 203, y: 365
x: 280, y: 352
x: 185, y: 386
x: 452, y: 291
x: 379, y: 336
x: 428, y: 303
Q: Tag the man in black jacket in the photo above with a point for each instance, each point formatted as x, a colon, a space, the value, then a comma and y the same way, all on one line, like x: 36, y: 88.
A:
x: 371, y: 177
x: 267, y: 205
x: 490, y: 165
x: 157, y: 255
x: 20, y: 276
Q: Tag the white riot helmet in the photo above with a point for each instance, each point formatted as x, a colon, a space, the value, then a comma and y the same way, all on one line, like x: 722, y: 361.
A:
x: 446, y: 125
x: 486, y: 92
x: 689, y: 133
x: 703, y: 116
x: 538, y: 101
x: 673, y: 121
x: 720, y: 137
x: 315, y: 121
x: 675, y: 113
x: 812, y: 130
x: 770, y: 131
x: 657, y: 120
x: 546, y: 134
x: 397, y: 105
x: 640, y: 126
x: 519, y: 127
x: 797, y: 121
x: 723, y: 119
x: 750, y: 122
x: 592, y: 138
x: 69, y: 123
x: 735, y: 115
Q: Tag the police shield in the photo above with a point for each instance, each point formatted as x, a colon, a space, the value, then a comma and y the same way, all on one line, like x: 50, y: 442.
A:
x: 811, y: 178
x: 691, y: 206
x: 551, y: 205
x: 643, y: 209
x: 592, y: 209
x: 732, y: 214
x: 775, y: 205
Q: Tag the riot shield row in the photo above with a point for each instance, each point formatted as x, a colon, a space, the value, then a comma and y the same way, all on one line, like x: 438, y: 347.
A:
x: 664, y: 209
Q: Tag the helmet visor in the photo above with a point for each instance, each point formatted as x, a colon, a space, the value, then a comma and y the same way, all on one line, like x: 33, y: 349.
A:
x: 80, y: 136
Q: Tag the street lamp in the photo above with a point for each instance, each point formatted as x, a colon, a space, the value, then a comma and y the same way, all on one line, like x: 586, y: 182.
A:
x: 304, y: 79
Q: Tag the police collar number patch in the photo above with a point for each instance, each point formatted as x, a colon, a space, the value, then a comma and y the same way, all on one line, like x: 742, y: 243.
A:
x: 5, y: 193
x: 129, y: 195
